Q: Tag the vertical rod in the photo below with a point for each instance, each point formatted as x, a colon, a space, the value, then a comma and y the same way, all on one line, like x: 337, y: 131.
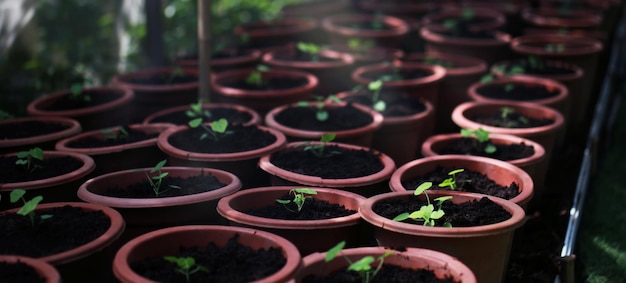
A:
x: 204, y: 48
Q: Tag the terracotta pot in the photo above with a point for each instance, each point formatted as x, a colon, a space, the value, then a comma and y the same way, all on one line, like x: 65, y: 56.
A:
x: 243, y: 164
x: 488, y: 18
x: 46, y: 271
x: 511, y: 9
x: 168, y: 241
x: 362, y: 136
x: 28, y: 141
x: 332, y: 71
x: 262, y: 100
x: 425, y: 87
x: 227, y: 59
x: 340, y: 29
x: 546, y: 136
x: 316, y: 8
x: 502, y: 173
x: 109, y: 114
x: 150, y: 98
x: 490, y: 50
x: 535, y: 165
x: 399, y: 8
x: 139, y: 213
x: 400, y: 137
x: 109, y: 159
x: 442, y: 265
x: 92, y: 259
x: 461, y: 72
x: 326, y: 232
x: 468, y: 244
x: 562, y: 18
x: 277, y: 32
x: 160, y: 117
x: 60, y: 188
x: 365, y: 186
x: 365, y: 55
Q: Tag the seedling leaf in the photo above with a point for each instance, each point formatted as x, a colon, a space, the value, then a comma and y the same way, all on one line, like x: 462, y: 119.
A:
x: 334, y: 251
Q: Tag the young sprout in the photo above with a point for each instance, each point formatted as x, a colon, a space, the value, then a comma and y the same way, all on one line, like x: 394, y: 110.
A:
x: 77, y: 94
x: 156, y: 180
x: 357, y: 43
x: 555, y: 48
x: 362, y: 266
x: 435, y: 61
x: 111, y: 134
x: 482, y: 136
x: 215, y: 131
x: 5, y: 115
x: 197, y: 113
x: 186, y: 265
x: 321, y: 114
x: 310, y: 48
x: 300, y: 195
x: 29, y: 207
x: 426, y: 213
x: 375, y: 87
x: 452, y: 181
x: 535, y: 62
x: 256, y: 77
x: 176, y: 72
x: 25, y: 158
x: 506, y: 121
x: 319, y: 149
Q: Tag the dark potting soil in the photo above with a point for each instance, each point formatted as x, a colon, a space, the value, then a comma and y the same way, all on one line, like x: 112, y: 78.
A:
x: 233, y: 116
x: 397, y: 105
x: 29, y: 129
x: 467, y: 214
x: 387, y: 274
x: 231, y: 263
x: 68, y: 228
x: 465, y: 32
x: 270, y: 84
x: 339, y: 119
x: 19, y: 272
x: 338, y: 163
x: 299, y: 56
x: 519, y: 92
x: 538, y: 69
x: 472, y: 146
x: 95, y: 142
x: 368, y: 25
x: 397, y: 74
x: 465, y: 22
x: 241, y: 138
x: 188, y: 186
x: 46, y: 168
x: 513, y: 120
x: 313, y: 209
x: 66, y: 102
x: 468, y: 181
x: 164, y: 79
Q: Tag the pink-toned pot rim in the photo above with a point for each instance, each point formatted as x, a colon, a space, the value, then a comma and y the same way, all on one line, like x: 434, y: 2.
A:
x: 255, y: 120
x: 526, y: 183
x: 589, y: 45
x: 551, y: 17
x: 496, y: 18
x: 74, y: 127
x: 127, y: 95
x: 501, y: 39
x: 312, y: 82
x: 227, y: 211
x: 388, y: 163
x: 517, y: 218
x: 232, y: 185
x: 43, y: 268
x: 562, y: 90
x: 470, y: 65
x: 438, y: 73
x: 88, y: 166
x: 577, y: 70
x: 121, y: 266
x: 344, y: 60
x: 331, y: 24
x: 302, y: 25
x: 377, y: 121
x: 429, y: 111
x: 121, y: 79
x: 252, y: 55
x: 104, y: 240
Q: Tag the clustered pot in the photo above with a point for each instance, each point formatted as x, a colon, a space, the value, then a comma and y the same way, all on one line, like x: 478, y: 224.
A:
x: 19, y: 134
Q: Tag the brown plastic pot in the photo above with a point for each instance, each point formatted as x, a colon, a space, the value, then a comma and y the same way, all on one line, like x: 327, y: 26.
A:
x: 113, y: 113
x: 490, y: 19
x: 362, y: 136
x: 46, y: 271
x: 340, y: 30
x: 232, y: 58
x: 45, y: 142
x: 255, y: 118
x: 279, y: 32
x: 400, y: 8
x: 326, y: 232
x: 490, y: 50
x: 168, y: 241
x: 467, y: 244
x: 562, y: 18
x: 365, y: 55
x: 442, y: 265
x: 315, y: 9
x: 365, y: 186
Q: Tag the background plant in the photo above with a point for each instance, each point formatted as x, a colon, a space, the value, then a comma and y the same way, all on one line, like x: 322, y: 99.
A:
x: 186, y: 265
x: 312, y: 49
x: 215, y: 131
x: 481, y: 137
x: 26, y: 158
x: 113, y: 134
x: 29, y: 207
x: 300, y: 195
x: 363, y: 266
x: 156, y: 181
x: 319, y: 150
x: 256, y: 77
x: 426, y: 213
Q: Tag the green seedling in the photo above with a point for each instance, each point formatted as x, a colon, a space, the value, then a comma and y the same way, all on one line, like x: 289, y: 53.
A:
x: 25, y: 158
x: 506, y: 121
x: 155, y: 181
x: 435, y: 61
x: 535, y: 62
x: 300, y: 195
x: 114, y: 134
x: 186, y: 265
x: 426, y: 213
x: 77, y: 94
x: 321, y: 114
x: 358, y: 43
x: 177, y: 72
x: 5, y: 115
x: 482, y: 136
x: 319, y: 150
x: 256, y: 77
x: 197, y: 113
x: 375, y: 87
x: 363, y: 266
x: 217, y: 129
x: 452, y: 182
x: 29, y: 207
x: 555, y: 48
x: 310, y: 48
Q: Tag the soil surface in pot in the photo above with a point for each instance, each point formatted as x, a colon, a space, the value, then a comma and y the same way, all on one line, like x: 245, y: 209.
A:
x: 313, y: 209
x: 238, y: 139
x: 396, y: 105
x: 467, y: 181
x: 516, y: 91
x: 172, y: 78
x: 85, y: 99
x: 113, y: 138
x: 503, y: 152
x: 535, y: 67
x: 510, y: 120
x: 368, y: 25
x: 29, y: 129
x: 396, y: 74
x: 233, y: 116
x: 280, y: 83
x: 231, y: 263
x: 337, y: 163
x: 467, y: 214
x: 19, y: 272
x: 40, y: 169
x: 68, y: 228
x: 337, y: 119
x: 169, y: 187
x: 299, y: 56
x: 388, y: 273
x: 465, y: 32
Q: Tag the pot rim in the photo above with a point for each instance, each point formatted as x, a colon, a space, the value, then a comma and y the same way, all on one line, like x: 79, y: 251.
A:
x: 343, y: 59
x: 74, y: 127
x: 256, y: 118
x: 471, y: 65
x: 43, y: 268
x: 438, y: 73
x: 332, y: 24
x: 312, y: 82
x: 587, y: 45
x: 401, y: 119
x: 126, y: 96
x: 562, y: 94
x: 564, y: 78
x: 500, y: 39
x: 122, y: 80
